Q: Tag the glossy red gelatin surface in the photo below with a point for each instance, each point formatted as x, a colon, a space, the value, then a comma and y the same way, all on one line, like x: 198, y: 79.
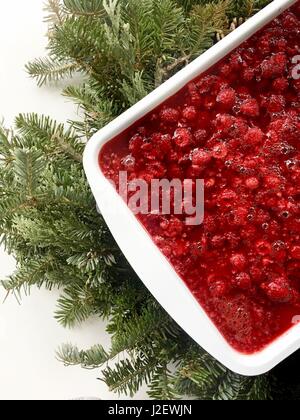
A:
x: 238, y: 128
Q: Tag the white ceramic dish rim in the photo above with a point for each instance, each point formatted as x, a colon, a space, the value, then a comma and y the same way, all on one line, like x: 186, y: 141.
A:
x: 149, y: 263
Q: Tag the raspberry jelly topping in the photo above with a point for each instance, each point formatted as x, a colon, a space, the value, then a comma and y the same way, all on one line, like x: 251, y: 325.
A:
x: 237, y: 127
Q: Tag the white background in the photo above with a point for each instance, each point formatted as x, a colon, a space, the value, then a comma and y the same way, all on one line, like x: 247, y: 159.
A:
x: 29, y: 335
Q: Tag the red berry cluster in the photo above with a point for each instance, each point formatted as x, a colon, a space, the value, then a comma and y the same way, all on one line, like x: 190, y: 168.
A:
x: 238, y: 128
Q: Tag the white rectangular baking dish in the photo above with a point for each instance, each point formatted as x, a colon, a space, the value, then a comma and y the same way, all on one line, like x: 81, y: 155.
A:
x: 143, y: 255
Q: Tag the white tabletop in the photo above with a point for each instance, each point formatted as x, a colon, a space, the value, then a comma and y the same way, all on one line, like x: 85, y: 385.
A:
x: 29, y: 335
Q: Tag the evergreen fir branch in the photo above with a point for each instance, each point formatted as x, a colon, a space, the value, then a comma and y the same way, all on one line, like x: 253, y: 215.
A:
x: 87, y: 8
x: 69, y: 149
x: 230, y: 387
x: 236, y: 387
x: 55, y: 15
x: 97, y: 110
x: 28, y: 168
x: 13, y: 206
x: 139, y: 17
x: 246, y: 8
x: 142, y: 329
x: 84, y: 96
x: 69, y: 196
x: 91, y: 261
x: 188, y: 4
x: 168, y: 25
x: 162, y: 385
x: 259, y: 389
x: 198, y: 375
x: 79, y: 40
x: 135, y: 90
x: 5, y: 143
x: 93, y: 358
x: 43, y: 131
x: 207, y: 20
x: 47, y: 70
x: 32, y: 273
x: 129, y: 375
x: 38, y: 127
x: 198, y: 35
x: 75, y: 306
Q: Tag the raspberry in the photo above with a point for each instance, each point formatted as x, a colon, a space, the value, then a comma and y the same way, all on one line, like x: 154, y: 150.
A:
x: 240, y: 216
x: 218, y: 241
x: 210, y: 182
x: 150, y: 151
x: 252, y: 162
x: 275, y: 66
x: 250, y: 108
x: 164, y: 144
x: 233, y: 240
x: 290, y: 21
x: 262, y: 216
x: 272, y: 181
x: 278, y: 291
x: 183, y: 137
x: 281, y: 84
x: 219, y: 288
x: 239, y: 128
x: 200, y: 136
x: 238, y: 261
x: 224, y: 122
x: 172, y: 228
x: 227, y: 98
x: 252, y: 183
x: 248, y: 74
x: 201, y: 157
x: 280, y: 45
x: 225, y: 70
x: 227, y: 196
x: 263, y: 247
x: 189, y: 113
x: 275, y: 103
x: 169, y: 115
x: 156, y: 170
x: 220, y: 151
x: 279, y: 251
x: 295, y: 252
x: 209, y: 102
x: 237, y: 182
x: 135, y: 143
x: 196, y: 99
x: 174, y: 171
x: 236, y: 61
x: 207, y: 84
x: 210, y: 224
x: 243, y: 281
x: 256, y: 273
x: 264, y: 44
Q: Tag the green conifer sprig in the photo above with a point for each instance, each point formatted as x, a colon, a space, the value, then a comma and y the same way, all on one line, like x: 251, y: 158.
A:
x: 48, y: 217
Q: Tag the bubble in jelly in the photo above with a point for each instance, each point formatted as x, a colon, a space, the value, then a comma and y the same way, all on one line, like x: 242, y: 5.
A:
x: 128, y: 161
x: 291, y: 164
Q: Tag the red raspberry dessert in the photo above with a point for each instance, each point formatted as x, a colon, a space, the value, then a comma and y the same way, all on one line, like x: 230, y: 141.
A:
x: 238, y: 128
